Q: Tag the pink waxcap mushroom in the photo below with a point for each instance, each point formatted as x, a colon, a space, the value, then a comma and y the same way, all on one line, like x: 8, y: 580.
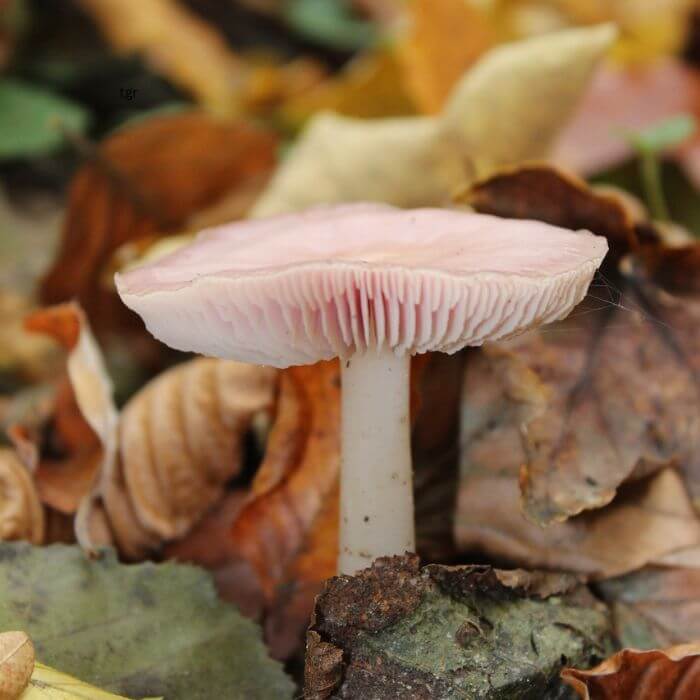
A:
x: 371, y: 284
x: 336, y: 281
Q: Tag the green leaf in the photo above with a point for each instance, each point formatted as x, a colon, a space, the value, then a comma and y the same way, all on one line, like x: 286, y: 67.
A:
x: 666, y: 134
x: 138, y: 630
x: 31, y: 119
x: 330, y: 23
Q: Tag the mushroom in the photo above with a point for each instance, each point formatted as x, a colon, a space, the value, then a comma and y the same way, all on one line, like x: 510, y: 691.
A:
x: 372, y: 285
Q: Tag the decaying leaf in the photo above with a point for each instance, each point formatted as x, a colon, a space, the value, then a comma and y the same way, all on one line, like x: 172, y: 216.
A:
x: 647, y: 520
x: 140, y: 183
x: 655, y: 607
x: 431, y: 64
x: 463, y: 632
x: 177, y: 44
x: 299, y: 470
x: 505, y: 109
x: 181, y: 438
x: 288, y: 527
x: 21, y: 513
x: 164, y: 462
x: 16, y: 664
x: 671, y: 674
x: 592, y: 413
x: 144, y: 630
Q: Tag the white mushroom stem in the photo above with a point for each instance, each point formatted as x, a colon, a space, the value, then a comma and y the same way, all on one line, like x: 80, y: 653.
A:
x: 376, y: 489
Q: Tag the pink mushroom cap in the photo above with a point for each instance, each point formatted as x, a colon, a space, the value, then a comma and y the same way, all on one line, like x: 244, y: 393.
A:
x: 335, y: 281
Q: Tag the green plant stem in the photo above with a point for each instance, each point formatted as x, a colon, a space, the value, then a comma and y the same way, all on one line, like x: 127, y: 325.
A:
x: 651, y: 181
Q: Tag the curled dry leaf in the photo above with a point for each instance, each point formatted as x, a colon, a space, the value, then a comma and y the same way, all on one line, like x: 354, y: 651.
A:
x: 288, y: 528
x: 181, y: 439
x: 21, y: 513
x: 668, y: 674
x: 16, y: 664
x: 507, y: 108
x: 592, y: 414
x: 139, y: 183
x: 177, y: 44
x: 165, y: 461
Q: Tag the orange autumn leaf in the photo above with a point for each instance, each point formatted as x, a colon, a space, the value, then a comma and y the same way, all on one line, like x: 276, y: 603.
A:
x: 657, y: 674
x: 156, y: 468
x: 444, y: 38
x: 299, y: 472
x: 147, y: 180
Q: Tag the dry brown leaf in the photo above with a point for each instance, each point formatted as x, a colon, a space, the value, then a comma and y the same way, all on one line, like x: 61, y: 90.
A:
x: 658, y: 674
x: 166, y: 460
x: 140, y: 183
x: 432, y: 62
x: 176, y: 44
x: 592, y: 413
x: 647, y: 519
x: 623, y: 99
x: 16, y: 664
x: 298, y: 473
x: 181, y: 439
x: 655, y: 607
x: 21, y: 513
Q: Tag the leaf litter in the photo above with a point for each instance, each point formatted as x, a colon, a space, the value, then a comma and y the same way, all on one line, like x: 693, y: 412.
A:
x: 589, y: 427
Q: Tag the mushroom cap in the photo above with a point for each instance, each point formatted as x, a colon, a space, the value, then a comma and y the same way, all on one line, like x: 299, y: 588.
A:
x: 335, y: 281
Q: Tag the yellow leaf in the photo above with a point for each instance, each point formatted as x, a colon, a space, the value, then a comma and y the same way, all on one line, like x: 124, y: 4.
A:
x: 49, y: 684
x: 506, y: 109
x: 369, y: 87
x: 433, y: 62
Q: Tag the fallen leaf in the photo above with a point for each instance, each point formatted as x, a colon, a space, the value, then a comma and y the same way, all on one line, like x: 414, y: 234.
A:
x: 16, y: 664
x: 655, y: 607
x: 177, y: 44
x: 32, y: 119
x: 368, y: 87
x: 165, y: 461
x: 449, y: 631
x: 144, y: 174
x: 647, y: 519
x: 432, y: 65
x: 592, y: 414
x: 48, y: 684
x: 298, y: 474
x: 539, y: 191
x: 506, y: 108
x: 145, y: 629
x: 668, y: 674
x: 181, y: 439
x: 624, y: 99
x: 21, y: 514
